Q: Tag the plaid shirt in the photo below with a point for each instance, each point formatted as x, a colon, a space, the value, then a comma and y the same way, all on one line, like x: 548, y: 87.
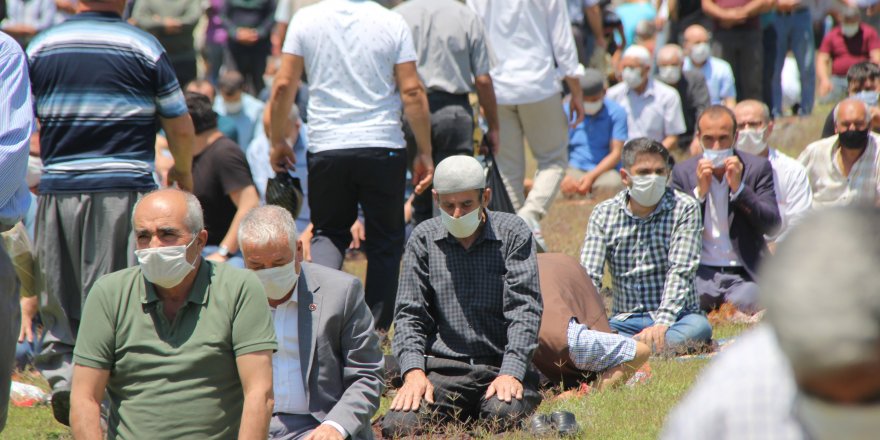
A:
x: 653, y: 261
x: 483, y: 302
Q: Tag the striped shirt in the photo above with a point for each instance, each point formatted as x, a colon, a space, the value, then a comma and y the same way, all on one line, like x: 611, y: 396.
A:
x: 99, y: 85
x: 16, y: 126
x: 653, y: 261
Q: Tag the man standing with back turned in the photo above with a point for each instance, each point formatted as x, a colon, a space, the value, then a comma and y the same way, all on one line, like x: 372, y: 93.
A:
x: 101, y: 86
x: 360, y: 61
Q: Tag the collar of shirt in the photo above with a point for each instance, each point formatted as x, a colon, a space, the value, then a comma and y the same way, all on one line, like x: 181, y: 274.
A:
x: 649, y: 90
x: 198, y: 294
x: 667, y: 202
x: 837, y: 160
x: 94, y: 15
x: 487, y: 234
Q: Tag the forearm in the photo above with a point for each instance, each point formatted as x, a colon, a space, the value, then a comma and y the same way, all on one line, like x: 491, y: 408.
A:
x: 594, y: 18
x: 415, y: 107
x: 670, y: 142
x: 248, y: 201
x: 823, y: 66
x: 181, y: 140
x: 255, y: 415
x: 283, y: 94
x: 756, y: 7
x: 610, y: 161
x: 874, y: 55
x: 713, y: 10
x: 85, y: 419
x: 729, y: 102
x: 486, y: 95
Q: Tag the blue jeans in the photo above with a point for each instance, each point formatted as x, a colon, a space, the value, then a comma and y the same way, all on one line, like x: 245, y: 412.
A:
x: 795, y: 32
x: 235, y: 260
x: 689, y: 329
x: 26, y: 351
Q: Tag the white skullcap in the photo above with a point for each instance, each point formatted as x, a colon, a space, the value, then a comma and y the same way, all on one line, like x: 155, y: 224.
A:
x: 458, y: 173
x: 639, y: 53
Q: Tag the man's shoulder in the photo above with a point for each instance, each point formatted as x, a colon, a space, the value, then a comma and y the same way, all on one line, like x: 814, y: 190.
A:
x: 610, y: 205
x: 616, y: 90
x: 693, y: 76
x: 786, y: 163
x: 507, y: 222
x: 685, y: 202
x: 324, y: 273
x: 720, y: 66
x: 96, y: 35
x: 614, y: 108
x: 687, y: 165
x: 121, y: 277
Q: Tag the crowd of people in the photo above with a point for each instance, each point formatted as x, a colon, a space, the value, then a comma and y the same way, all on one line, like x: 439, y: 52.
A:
x: 183, y: 181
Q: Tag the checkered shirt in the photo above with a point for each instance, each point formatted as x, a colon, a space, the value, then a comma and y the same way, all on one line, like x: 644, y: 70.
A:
x: 653, y: 261
x: 596, y: 351
x: 483, y: 302
x: 747, y: 392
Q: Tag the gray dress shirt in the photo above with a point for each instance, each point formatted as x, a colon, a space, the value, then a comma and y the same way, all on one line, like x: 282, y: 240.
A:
x: 450, y: 41
x: 480, y: 302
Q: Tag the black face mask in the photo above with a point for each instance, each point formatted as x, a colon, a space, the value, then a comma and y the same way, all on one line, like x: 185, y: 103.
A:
x: 854, y: 139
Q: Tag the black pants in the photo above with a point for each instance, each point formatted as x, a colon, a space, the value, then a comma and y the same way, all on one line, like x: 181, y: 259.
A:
x: 250, y: 61
x: 373, y: 178
x: 744, y: 50
x: 452, y: 133
x: 185, y: 69
x: 459, y: 390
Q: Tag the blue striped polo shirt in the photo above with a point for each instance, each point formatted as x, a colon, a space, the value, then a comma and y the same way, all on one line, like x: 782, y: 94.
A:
x: 99, y: 85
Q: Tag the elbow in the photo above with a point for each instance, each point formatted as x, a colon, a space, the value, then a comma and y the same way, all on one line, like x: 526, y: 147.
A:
x: 483, y: 82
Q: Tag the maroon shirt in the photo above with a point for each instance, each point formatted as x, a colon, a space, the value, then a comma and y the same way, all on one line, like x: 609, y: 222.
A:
x: 751, y: 23
x: 845, y: 51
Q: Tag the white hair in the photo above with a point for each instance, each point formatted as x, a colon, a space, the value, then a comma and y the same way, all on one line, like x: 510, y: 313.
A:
x: 863, y: 104
x: 267, y: 224
x: 826, y: 311
x: 194, y: 219
x: 638, y: 52
x: 671, y: 50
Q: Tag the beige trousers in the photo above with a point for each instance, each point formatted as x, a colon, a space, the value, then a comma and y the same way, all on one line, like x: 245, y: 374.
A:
x: 607, y: 185
x: 544, y: 125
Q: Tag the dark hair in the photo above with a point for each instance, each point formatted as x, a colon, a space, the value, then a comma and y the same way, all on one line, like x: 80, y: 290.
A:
x: 633, y: 148
x: 861, y: 72
x: 200, y: 110
x: 715, y: 111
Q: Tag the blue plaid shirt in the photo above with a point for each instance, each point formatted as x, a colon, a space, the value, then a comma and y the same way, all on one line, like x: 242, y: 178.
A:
x: 480, y: 302
x: 653, y: 261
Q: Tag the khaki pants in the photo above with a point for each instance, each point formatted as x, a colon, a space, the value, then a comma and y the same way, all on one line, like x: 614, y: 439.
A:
x: 606, y: 185
x: 544, y: 125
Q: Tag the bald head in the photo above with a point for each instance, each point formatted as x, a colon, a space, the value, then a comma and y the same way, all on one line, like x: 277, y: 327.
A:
x: 695, y: 34
x: 170, y: 207
x: 670, y: 54
x: 751, y: 107
x: 851, y: 113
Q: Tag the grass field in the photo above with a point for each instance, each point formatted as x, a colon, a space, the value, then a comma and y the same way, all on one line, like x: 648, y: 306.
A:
x: 626, y: 413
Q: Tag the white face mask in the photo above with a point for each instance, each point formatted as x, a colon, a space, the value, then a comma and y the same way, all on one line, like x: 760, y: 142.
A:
x: 591, y: 108
x: 829, y: 421
x: 700, y: 53
x: 717, y: 156
x: 849, y: 30
x: 279, y: 281
x: 233, y: 108
x: 669, y: 74
x: 165, y: 266
x: 751, y: 141
x: 632, y: 77
x: 463, y: 226
x: 647, y: 190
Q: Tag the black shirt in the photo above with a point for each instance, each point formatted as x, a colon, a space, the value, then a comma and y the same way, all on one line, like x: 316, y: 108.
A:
x: 218, y: 171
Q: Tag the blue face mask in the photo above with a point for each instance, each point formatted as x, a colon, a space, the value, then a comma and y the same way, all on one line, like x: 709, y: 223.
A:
x: 869, y: 97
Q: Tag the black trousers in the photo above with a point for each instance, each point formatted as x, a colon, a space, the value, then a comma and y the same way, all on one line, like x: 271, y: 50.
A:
x: 452, y: 133
x: 459, y: 390
x: 375, y: 179
x: 744, y: 50
x: 250, y: 61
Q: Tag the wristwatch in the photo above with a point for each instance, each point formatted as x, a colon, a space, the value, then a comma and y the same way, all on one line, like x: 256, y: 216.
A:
x: 223, y: 251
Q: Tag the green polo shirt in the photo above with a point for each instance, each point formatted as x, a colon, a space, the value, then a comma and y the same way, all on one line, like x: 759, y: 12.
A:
x: 174, y: 380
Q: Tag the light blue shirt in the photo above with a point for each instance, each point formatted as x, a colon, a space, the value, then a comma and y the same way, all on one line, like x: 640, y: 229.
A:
x: 37, y: 13
x: 16, y: 127
x: 719, y: 78
x: 247, y: 122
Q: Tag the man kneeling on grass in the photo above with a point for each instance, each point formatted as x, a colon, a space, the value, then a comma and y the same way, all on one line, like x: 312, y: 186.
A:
x: 650, y: 236
x: 468, y: 311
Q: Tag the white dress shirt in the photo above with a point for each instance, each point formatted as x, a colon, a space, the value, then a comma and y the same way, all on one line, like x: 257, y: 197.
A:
x: 793, y: 194
x: 830, y: 187
x: 654, y: 114
x: 290, y: 392
x: 527, y: 39
x: 717, y: 247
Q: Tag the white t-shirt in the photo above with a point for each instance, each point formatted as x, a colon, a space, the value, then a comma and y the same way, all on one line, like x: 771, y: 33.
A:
x: 350, y: 48
x: 286, y: 8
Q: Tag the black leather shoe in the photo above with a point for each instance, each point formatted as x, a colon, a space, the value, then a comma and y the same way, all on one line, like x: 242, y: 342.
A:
x: 565, y: 423
x: 539, y: 425
x: 61, y: 406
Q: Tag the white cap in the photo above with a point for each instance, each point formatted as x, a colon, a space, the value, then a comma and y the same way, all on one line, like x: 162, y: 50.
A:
x: 458, y: 173
x: 639, y: 53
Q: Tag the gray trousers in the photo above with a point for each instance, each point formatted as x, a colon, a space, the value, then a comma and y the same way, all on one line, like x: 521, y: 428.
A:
x: 291, y: 426
x: 10, y: 324
x: 715, y: 287
x: 80, y: 237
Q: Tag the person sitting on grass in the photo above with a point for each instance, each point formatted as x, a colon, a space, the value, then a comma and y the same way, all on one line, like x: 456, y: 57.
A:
x: 467, y: 312
x: 650, y: 235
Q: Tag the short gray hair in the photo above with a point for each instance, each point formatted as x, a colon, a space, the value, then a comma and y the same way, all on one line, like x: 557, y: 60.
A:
x: 194, y: 219
x: 826, y: 311
x: 645, y: 30
x: 863, y: 104
x: 267, y: 224
x: 671, y: 50
x: 642, y: 145
x: 765, y: 111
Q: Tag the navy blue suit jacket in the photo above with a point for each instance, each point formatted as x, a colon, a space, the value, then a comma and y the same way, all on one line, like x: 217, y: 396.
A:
x: 753, y: 213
